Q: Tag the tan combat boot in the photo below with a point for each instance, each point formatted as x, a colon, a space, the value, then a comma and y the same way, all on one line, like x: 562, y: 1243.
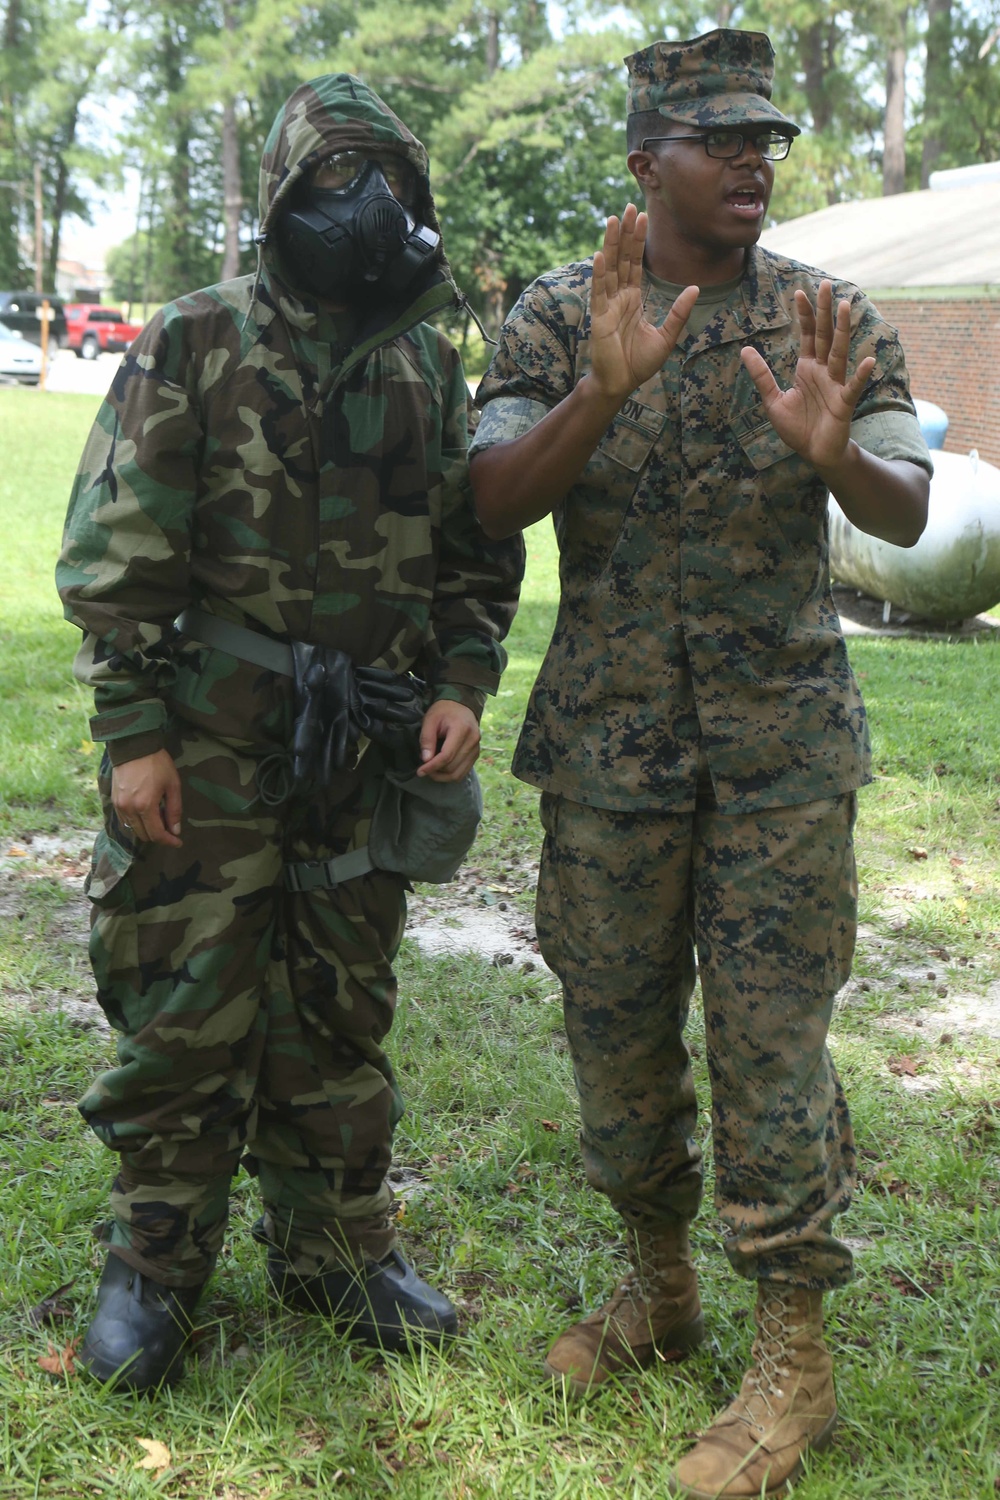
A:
x: 786, y: 1406
x: 655, y: 1313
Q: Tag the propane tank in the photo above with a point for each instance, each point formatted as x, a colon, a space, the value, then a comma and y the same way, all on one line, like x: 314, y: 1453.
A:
x: 953, y: 571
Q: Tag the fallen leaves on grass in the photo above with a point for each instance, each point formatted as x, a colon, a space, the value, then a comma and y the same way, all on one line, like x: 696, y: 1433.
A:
x: 50, y: 1309
x: 879, y: 1178
x: 60, y: 1361
x: 905, y: 1066
x: 523, y: 1174
x: 158, y: 1457
x: 985, y: 1122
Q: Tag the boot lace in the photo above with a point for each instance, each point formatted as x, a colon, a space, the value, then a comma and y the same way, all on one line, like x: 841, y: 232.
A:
x: 769, y: 1359
x: 646, y: 1281
x: 651, y: 1272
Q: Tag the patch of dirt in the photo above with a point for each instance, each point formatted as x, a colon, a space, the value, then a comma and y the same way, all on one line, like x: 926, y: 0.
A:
x: 961, y: 1019
x: 860, y: 615
x: 66, y: 855
x: 481, y: 915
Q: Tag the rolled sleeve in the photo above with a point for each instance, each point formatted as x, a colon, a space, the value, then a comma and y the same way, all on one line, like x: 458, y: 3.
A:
x: 892, y: 434
x: 506, y: 418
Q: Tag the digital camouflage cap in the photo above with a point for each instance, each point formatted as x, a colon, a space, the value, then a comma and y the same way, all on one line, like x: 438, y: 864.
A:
x: 721, y: 78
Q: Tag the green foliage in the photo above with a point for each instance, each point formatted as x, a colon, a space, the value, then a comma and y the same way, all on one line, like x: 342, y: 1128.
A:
x: 965, y: 112
x: 56, y: 54
x: 520, y: 103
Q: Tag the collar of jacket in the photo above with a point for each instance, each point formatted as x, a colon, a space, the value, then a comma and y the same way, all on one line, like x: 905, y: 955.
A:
x: 762, y: 308
x: 389, y: 322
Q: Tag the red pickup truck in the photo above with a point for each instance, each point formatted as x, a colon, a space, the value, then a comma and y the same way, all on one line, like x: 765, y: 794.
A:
x: 93, y: 329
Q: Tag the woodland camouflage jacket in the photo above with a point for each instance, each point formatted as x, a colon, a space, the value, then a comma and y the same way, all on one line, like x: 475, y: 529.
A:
x: 250, y: 459
x: 696, y: 616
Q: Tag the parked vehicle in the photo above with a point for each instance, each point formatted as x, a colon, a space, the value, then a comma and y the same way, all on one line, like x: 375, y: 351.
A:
x: 93, y: 329
x: 20, y: 360
x: 22, y: 311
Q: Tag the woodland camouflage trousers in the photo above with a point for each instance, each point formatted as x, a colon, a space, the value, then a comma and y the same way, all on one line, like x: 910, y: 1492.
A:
x: 768, y: 902
x: 250, y: 1020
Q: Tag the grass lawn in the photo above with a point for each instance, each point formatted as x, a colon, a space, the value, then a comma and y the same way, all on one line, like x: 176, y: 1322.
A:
x: 497, y: 1212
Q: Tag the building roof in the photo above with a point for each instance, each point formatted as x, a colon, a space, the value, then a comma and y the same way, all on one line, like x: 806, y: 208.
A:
x: 928, y: 239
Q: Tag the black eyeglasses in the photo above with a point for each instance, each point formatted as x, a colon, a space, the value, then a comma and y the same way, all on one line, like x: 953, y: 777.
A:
x: 722, y: 144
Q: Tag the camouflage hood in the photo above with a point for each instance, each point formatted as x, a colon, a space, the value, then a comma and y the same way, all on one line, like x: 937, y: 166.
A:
x: 336, y: 112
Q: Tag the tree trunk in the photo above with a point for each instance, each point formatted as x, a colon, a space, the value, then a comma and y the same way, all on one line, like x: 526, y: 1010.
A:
x: 894, y: 153
x: 58, y: 206
x: 11, y: 168
x: 177, y: 272
x: 815, y: 52
x: 937, y: 84
x: 492, y: 42
x: 232, y: 183
x: 232, y: 192
x: 817, y: 48
x: 179, y: 210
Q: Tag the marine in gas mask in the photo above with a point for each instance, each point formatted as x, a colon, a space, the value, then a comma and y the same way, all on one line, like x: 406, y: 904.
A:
x: 282, y: 457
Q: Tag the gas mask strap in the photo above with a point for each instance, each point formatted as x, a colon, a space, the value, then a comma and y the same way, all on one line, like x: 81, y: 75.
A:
x: 466, y: 306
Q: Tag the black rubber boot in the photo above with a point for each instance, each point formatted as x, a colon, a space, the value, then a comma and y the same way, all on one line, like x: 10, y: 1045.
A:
x: 138, y: 1334
x: 386, y: 1304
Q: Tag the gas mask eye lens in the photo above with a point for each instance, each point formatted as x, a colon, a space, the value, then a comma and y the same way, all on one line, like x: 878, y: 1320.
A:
x: 339, y: 170
x: 399, y: 175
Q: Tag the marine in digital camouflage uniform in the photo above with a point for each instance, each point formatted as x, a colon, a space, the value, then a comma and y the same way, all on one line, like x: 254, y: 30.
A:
x: 682, y: 404
x: 294, y: 466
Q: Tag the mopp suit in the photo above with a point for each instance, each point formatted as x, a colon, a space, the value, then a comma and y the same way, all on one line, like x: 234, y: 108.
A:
x: 301, y: 473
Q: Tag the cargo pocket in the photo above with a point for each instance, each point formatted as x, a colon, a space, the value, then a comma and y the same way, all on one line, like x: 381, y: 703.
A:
x: 114, y: 946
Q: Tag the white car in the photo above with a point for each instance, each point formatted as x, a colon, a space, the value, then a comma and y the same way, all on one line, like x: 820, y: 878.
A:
x: 20, y: 360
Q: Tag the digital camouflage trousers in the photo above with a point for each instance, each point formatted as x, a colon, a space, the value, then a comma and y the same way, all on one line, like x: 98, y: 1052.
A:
x: 767, y: 900
x: 250, y: 1023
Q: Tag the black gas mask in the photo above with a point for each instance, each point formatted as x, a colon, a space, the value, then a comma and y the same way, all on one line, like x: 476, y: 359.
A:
x: 348, y: 232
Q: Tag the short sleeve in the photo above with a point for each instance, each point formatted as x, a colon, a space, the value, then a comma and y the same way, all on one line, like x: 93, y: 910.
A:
x: 506, y: 418
x: 892, y: 434
x: 885, y: 421
x: 535, y: 363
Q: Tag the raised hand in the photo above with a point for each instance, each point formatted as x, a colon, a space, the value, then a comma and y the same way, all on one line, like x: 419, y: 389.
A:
x: 814, y: 416
x: 625, y: 348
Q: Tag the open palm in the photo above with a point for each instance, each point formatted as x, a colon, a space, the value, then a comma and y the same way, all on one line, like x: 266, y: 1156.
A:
x: 625, y: 348
x: 814, y: 415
